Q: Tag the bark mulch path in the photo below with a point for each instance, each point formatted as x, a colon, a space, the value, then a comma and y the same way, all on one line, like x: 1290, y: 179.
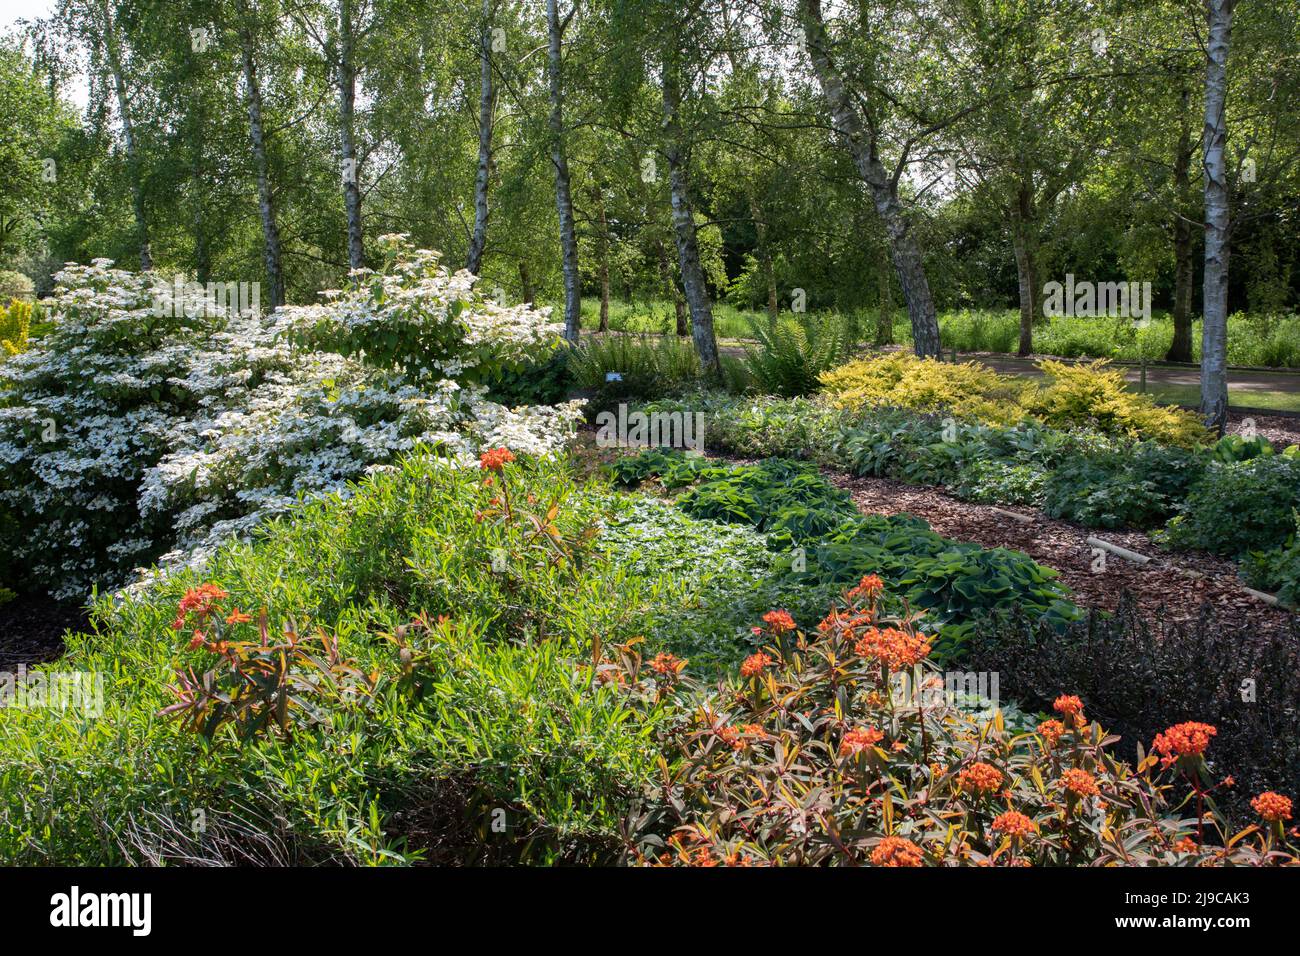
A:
x: 1180, y: 583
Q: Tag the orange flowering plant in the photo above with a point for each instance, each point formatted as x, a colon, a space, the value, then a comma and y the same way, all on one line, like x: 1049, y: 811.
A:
x: 257, y: 685
x: 832, y: 765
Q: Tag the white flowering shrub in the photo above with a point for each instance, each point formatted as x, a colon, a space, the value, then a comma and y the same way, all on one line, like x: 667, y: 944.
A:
x: 126, y: 437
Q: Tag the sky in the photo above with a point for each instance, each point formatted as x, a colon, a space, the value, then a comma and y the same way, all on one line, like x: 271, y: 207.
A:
x: 11, y: 11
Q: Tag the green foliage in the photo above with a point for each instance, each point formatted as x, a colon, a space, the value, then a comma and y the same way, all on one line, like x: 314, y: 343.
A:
x: 15, y: 285
x: 545, y: 380
x: 623, y: 368
x: 1239, y: 507
x: 1132, y: 486
x: 823, y: 542
x: 506, y: 714
x: 1277, y: 570
x: 793, y: 352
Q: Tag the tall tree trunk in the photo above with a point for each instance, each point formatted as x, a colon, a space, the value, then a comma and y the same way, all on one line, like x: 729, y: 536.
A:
x: 688, y: 250
x: 202, y: 248
x: 114, y: 55
x: 905, y: 252
x: 670, y: 287
x: 885, y: 318
x: 1214, y: 328
x: 563, y: 197
x: 764, y: 257
x: 257, y: 138
x: 526, y: 282
x: 1024, y: 240
x: 478, y: 241
x: 602, y: 250
x: 1180, y: 349
x: 347, y: 79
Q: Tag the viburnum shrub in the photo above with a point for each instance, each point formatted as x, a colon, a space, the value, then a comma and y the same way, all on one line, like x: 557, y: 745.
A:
x: 126, y: 435
x: 261, y: 685
x: 840, y: 747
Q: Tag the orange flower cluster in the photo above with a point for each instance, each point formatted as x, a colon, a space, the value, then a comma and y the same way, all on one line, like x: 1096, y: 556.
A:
x: 869, y: 588
x: 754, y: 664
x: 494, y: 459
x: 1071, y: 708
x: 1014, y: 824
x: 895, y: 851
x: 859, y: 739
x: 1272, y: 806
x: 1188, y: 739
x: 200, y: 600
x: 1080, y: 782
x: 780, y: 621
x: 665, y: 664
x: 1187, y: 845
x: 1052, y: 731
x: 979, y: 778
x: 735, y: 737
x: 897, y: 649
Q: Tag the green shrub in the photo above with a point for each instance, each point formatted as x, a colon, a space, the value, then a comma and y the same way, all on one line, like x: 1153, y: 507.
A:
x: 1278, y: 569
x: 641, y: 367
x: 1239, y: 507
x: 793, y: 352
x: 15, y: 285
x: 1132, y: 486
x: 478, y: 629
x: 823, y: 542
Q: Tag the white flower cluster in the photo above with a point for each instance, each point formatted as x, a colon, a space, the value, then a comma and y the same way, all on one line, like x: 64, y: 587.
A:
x: 415, y: 314
x: 125, y: 435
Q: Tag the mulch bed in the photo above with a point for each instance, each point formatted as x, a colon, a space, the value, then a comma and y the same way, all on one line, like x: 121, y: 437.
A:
x: 1177, y: 583
x: 32, y: 628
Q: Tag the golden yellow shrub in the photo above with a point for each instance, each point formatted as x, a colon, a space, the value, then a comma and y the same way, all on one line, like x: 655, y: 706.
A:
x: 902, y: 380
x: 15, y: 323
x: 1095, y: 394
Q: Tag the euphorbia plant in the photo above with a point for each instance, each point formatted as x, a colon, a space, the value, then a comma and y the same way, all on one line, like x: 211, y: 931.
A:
x: 261, y: 685
x: 831, y: 766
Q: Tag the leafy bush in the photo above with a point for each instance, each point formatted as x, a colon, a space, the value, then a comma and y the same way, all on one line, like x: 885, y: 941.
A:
x: 643, y: 368
x: 824, y: 542
x: 889, y: 770
x: 1132, y: 486
x: 477, y: 631
x: 1277, y: 569
x: 902, y: 380
x: 127, y: 434
x: 15, y: 285
x: 1095, y: 395
x: 539, y: 381
x: 793, y: 352
x: 1239, y: 507
x: 1139, y: 676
